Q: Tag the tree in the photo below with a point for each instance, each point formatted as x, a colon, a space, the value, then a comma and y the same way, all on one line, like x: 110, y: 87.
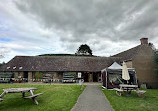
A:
x: 84, y: 49
x: 2, y: 64
x: 1, y: 56
x: 155, y: 56
x: 152, y: 46
x: 156, y: 62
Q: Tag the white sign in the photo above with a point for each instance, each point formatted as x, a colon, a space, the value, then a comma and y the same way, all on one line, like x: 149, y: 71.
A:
x: 79, y: 74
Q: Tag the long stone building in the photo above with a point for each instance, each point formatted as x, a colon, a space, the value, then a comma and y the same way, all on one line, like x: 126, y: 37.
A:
x: 32, y: 67
x: 66, y: 68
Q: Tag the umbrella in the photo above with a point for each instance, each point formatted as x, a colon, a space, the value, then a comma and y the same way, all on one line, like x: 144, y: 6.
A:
x: 125, y: 74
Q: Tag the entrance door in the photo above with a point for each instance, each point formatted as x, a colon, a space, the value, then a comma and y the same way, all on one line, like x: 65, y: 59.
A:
x: 90, y: 77
x: 25, y: 74
x: 86, y: 77
x: 95, y: 77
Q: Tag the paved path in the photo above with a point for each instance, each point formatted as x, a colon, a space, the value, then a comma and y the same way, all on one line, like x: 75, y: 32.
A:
x: 92, y: 99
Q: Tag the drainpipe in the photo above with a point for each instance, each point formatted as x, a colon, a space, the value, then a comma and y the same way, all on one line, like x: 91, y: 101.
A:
x: 136, y: 77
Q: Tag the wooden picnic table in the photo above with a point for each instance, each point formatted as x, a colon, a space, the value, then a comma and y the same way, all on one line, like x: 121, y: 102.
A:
x: 23, y: 91
x: 129, y: 88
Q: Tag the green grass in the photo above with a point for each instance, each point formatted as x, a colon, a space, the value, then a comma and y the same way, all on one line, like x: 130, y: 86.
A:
x: 55, y: 98
x: 133, y: 102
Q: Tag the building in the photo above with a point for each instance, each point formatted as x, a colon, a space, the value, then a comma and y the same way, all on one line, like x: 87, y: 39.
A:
x: 33, y: 68
x: 141, y: 58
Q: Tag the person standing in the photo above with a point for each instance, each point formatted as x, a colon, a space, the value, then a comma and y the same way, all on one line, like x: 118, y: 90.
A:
x: 80, y: 83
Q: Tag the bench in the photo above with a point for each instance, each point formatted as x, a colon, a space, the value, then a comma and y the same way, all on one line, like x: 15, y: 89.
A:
x: 1, y: 99
x: 118, y: 91
x: 140, y: 93
x: 127, y: 89
x: 33, y: 97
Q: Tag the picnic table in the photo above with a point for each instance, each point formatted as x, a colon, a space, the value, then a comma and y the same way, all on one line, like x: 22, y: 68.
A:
x: 128, y: 89
x: 23, y: 91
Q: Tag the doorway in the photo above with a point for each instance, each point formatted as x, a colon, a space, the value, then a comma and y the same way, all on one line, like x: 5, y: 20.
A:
x: 86, y: 77
x: 95, y: 77
x: 90, y: 76
x: 25, y: 74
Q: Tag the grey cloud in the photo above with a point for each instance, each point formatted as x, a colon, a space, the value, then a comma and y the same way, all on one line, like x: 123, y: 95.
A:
x: 78, y: 20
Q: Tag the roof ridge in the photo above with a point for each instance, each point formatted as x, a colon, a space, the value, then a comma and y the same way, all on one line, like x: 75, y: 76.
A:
x: 125, y: 51
x: 63, y: 56
x: 132, y: 51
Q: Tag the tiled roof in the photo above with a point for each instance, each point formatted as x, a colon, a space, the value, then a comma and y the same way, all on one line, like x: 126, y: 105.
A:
x: 58, y: 63
x: 128, y: 54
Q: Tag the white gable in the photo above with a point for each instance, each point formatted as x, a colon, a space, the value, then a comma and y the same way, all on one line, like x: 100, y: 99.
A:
x: 115, y: 65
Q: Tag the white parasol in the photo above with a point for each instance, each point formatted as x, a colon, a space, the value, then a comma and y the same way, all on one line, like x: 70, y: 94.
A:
x: 125, y: 74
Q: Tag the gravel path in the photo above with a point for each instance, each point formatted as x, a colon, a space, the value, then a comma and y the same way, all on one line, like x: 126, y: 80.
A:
x: 92, y: 99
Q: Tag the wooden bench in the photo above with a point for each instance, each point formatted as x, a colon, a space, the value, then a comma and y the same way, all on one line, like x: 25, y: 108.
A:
x: 1, y: 99
x: 23, y: 91
x: 33, y: 97
x: 140, y: 93
x: 118, y: 91
x: 125, y: 89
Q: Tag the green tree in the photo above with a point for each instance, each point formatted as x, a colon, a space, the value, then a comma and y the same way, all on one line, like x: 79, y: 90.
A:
x: 2, y: 64
x: 1, y: 56
x: 152, y: 46
x: 84, y: 49
x: 155, y: 56
x: 156, y: 62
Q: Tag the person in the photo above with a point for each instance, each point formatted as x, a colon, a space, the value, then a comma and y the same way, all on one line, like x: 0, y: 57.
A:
x: 80, y: 83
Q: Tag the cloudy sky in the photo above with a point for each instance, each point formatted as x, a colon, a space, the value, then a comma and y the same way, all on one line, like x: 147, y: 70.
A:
x: 33, y: 27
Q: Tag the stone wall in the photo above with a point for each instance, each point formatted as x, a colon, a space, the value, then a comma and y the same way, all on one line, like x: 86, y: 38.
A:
x: 30, y: 76
x: 15, y: 74
x: 129, y: 64
x: 21, y: 74
x: 144, y: 64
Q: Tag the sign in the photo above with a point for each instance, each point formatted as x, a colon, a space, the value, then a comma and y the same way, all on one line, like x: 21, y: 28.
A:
x: 79, y: 74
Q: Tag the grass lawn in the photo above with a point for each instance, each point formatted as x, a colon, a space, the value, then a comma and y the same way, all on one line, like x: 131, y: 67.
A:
x: 133, y: 103
x: 55, y: 98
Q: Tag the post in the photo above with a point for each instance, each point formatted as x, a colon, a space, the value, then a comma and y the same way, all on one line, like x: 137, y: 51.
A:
x: 106, y: 79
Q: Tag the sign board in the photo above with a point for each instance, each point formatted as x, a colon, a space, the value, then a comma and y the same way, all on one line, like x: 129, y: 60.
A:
x: 79, y: 74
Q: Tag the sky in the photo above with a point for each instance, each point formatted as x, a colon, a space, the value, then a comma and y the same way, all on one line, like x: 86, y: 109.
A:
x: 34, y: 27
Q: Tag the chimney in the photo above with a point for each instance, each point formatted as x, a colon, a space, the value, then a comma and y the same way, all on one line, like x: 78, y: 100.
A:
x: 144, y: 41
